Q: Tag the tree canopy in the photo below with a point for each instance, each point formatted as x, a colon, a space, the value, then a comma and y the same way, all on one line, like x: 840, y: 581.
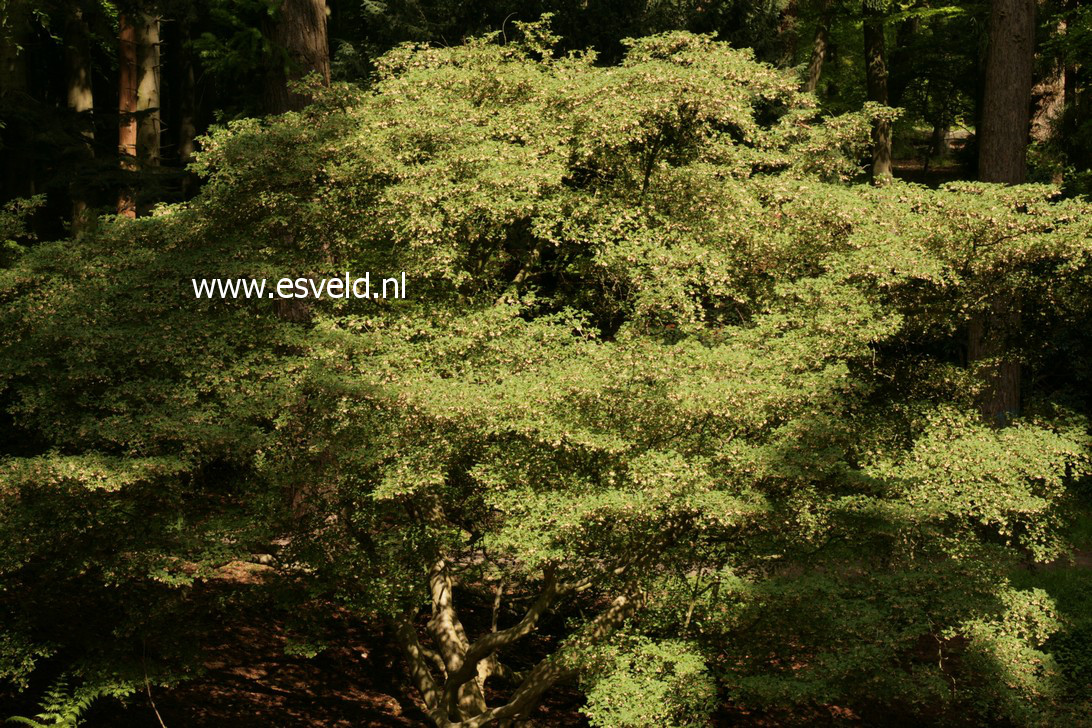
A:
x: 669, y: 396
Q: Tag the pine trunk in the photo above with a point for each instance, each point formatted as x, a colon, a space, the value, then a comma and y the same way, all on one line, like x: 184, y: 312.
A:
x: 81, y: 102
x: 818, y: 49
x: 127, y: 105
x: 876, y: 81
x: 149, y: 121
x: 187, y: 117
x: 299, y: 39
x: 1002, y: 157
x: 987, y: 334
x: 14, y: 159
x: 1006, y: 100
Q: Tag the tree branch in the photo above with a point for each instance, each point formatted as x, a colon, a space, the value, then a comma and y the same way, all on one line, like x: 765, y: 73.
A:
x: 490, y: 643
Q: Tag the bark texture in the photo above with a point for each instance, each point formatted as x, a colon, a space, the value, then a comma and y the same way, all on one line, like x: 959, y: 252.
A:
x: 1002, y: 157
x: 987, y: 337
x: 453, y: 701
x: 187, y: 115
x: 819, y: 48
x: 148, y: 91
x: 81, y: 102
x: 301, y: 46
x: 127, y: 106
x: 1010, y: 56
x: 876, y: 82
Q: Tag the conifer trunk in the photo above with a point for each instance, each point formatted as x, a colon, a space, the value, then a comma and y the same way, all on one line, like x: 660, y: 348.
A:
x: 819, y: 49
x: 148, y: 116
x: 148, y: 91
x: 81, y: 102
x: 187, y: 118
x: 14, y: 161
x: 1010, y: 56
x: 127, y: 106
x: 1002, y: 157
x: 301, y: 46
x: 876, y: 82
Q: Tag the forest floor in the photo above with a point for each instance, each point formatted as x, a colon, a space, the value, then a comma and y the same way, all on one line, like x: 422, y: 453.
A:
x: 250, y: 681
x: 934, y: 175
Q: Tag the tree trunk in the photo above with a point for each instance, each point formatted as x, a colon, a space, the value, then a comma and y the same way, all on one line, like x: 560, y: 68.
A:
x: 787, y: 32
x: 13, y: 57
x: 127, y: 105
x: 82, y: 103
x: 148, y: 86
x: 938, y: 144
x: 187, y: 117
x: 1002, y: 157
x: 1048, y: 98
x: 876, y: 78
x: 1003, y: 138
x: 987, y: 333
x: 14, y: 159
x: 301, y: 46
x: 819, y: 48
x: 148, y: 96
x: 903, y: 66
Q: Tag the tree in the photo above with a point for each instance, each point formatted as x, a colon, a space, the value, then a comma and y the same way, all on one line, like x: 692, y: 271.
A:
x: 1006, y: 98
x: 148, y: 91
x: 81, y: 101
x: 819, y: 47
x: 1002, y: 157
x: 876, y: 84
x: 127, y: 107
x: 670, y: 406
x: 187, y: 95
x: 300, y: 46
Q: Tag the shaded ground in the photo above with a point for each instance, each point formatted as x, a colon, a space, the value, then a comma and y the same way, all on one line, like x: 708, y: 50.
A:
x: 913, y: 170
x: 935, y: 172
x: 249, y: 682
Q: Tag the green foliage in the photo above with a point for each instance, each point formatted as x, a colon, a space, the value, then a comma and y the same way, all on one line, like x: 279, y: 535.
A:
x: 641, y: 683
x: 13, y: 227
x: 65, y: 708
x: 656, y: 346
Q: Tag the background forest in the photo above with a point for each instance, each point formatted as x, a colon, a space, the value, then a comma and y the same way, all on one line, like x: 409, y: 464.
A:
x: 742, y: 376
